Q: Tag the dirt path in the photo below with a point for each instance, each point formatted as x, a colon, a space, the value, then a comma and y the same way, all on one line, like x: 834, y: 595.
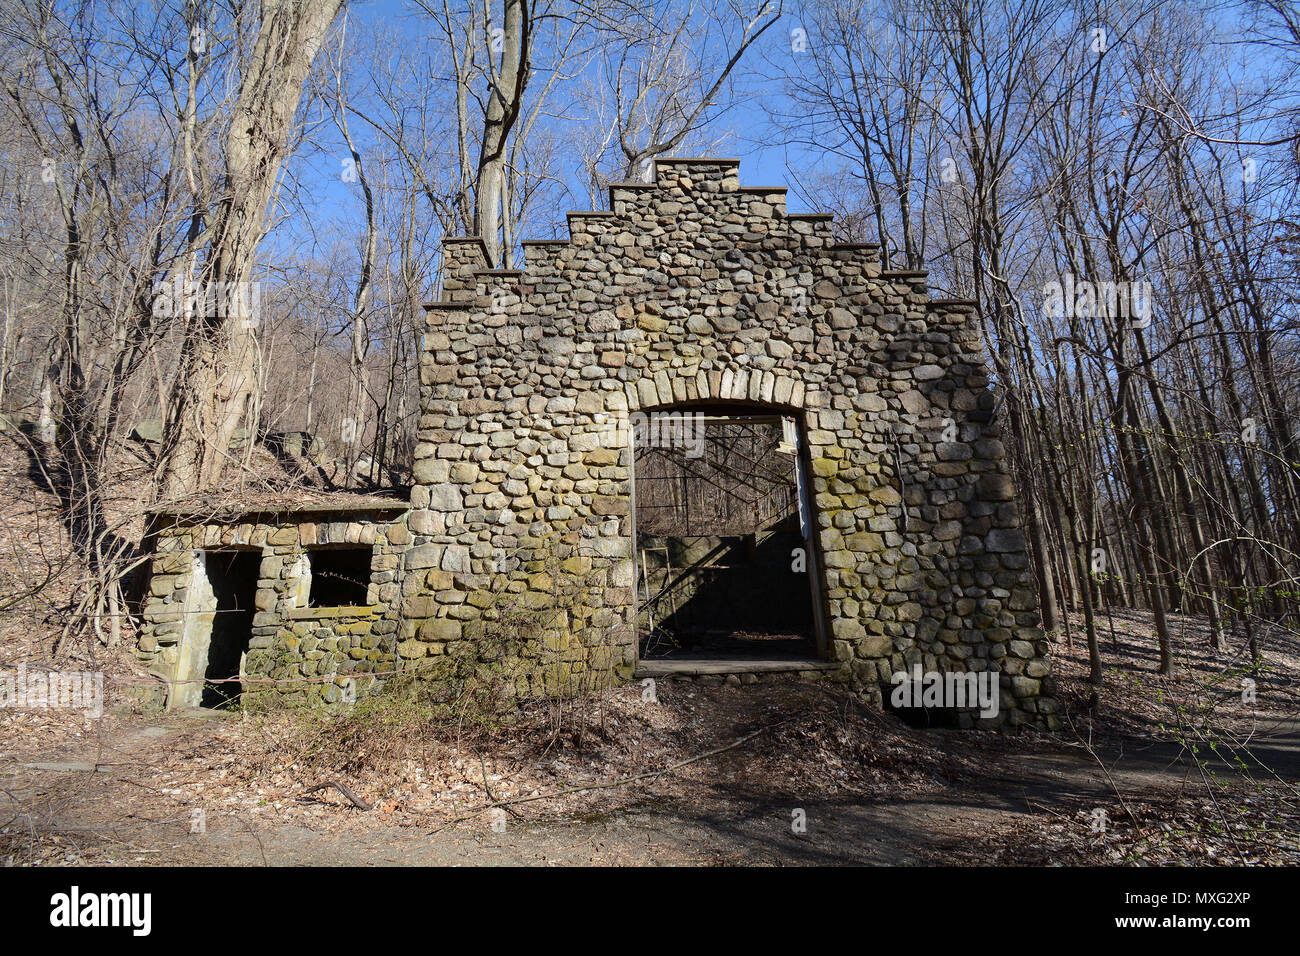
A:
x: 105, y: 815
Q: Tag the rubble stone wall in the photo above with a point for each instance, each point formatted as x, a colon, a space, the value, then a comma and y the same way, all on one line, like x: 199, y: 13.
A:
x: 694, y: 290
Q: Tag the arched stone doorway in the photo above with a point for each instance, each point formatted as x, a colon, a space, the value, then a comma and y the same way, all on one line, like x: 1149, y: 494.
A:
x: 724, y: 532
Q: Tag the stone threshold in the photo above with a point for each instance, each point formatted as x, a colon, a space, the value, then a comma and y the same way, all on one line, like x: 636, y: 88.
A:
x: 699, y: 667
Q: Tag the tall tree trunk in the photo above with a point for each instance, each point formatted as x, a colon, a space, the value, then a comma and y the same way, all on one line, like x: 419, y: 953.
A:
x: 217, y: 370
x: 508, y: 77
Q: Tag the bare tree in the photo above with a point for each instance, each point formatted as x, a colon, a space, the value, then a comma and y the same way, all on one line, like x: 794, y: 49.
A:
x: 216, y: 382
x: 668, y: 70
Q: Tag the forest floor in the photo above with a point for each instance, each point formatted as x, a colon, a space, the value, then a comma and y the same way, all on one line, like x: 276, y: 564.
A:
x: 720, y: 774
x: 1151, y: 770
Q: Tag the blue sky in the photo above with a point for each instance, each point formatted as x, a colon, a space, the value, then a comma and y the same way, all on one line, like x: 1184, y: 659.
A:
x: 333, y: 201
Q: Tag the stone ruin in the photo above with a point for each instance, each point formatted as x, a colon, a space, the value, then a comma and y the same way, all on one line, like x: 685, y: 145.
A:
x: 516, y: 558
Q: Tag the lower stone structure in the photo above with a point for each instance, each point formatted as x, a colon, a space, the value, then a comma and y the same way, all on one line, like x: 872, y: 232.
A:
x: 292, y: 652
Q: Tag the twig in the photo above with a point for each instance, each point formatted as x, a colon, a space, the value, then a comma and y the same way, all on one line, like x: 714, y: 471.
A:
x: 341, y: 788
x: 1087, y: 745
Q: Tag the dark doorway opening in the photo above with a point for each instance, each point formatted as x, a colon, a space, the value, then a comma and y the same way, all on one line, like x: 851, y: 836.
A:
x: 233, y: 577
x: 726, y: 565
